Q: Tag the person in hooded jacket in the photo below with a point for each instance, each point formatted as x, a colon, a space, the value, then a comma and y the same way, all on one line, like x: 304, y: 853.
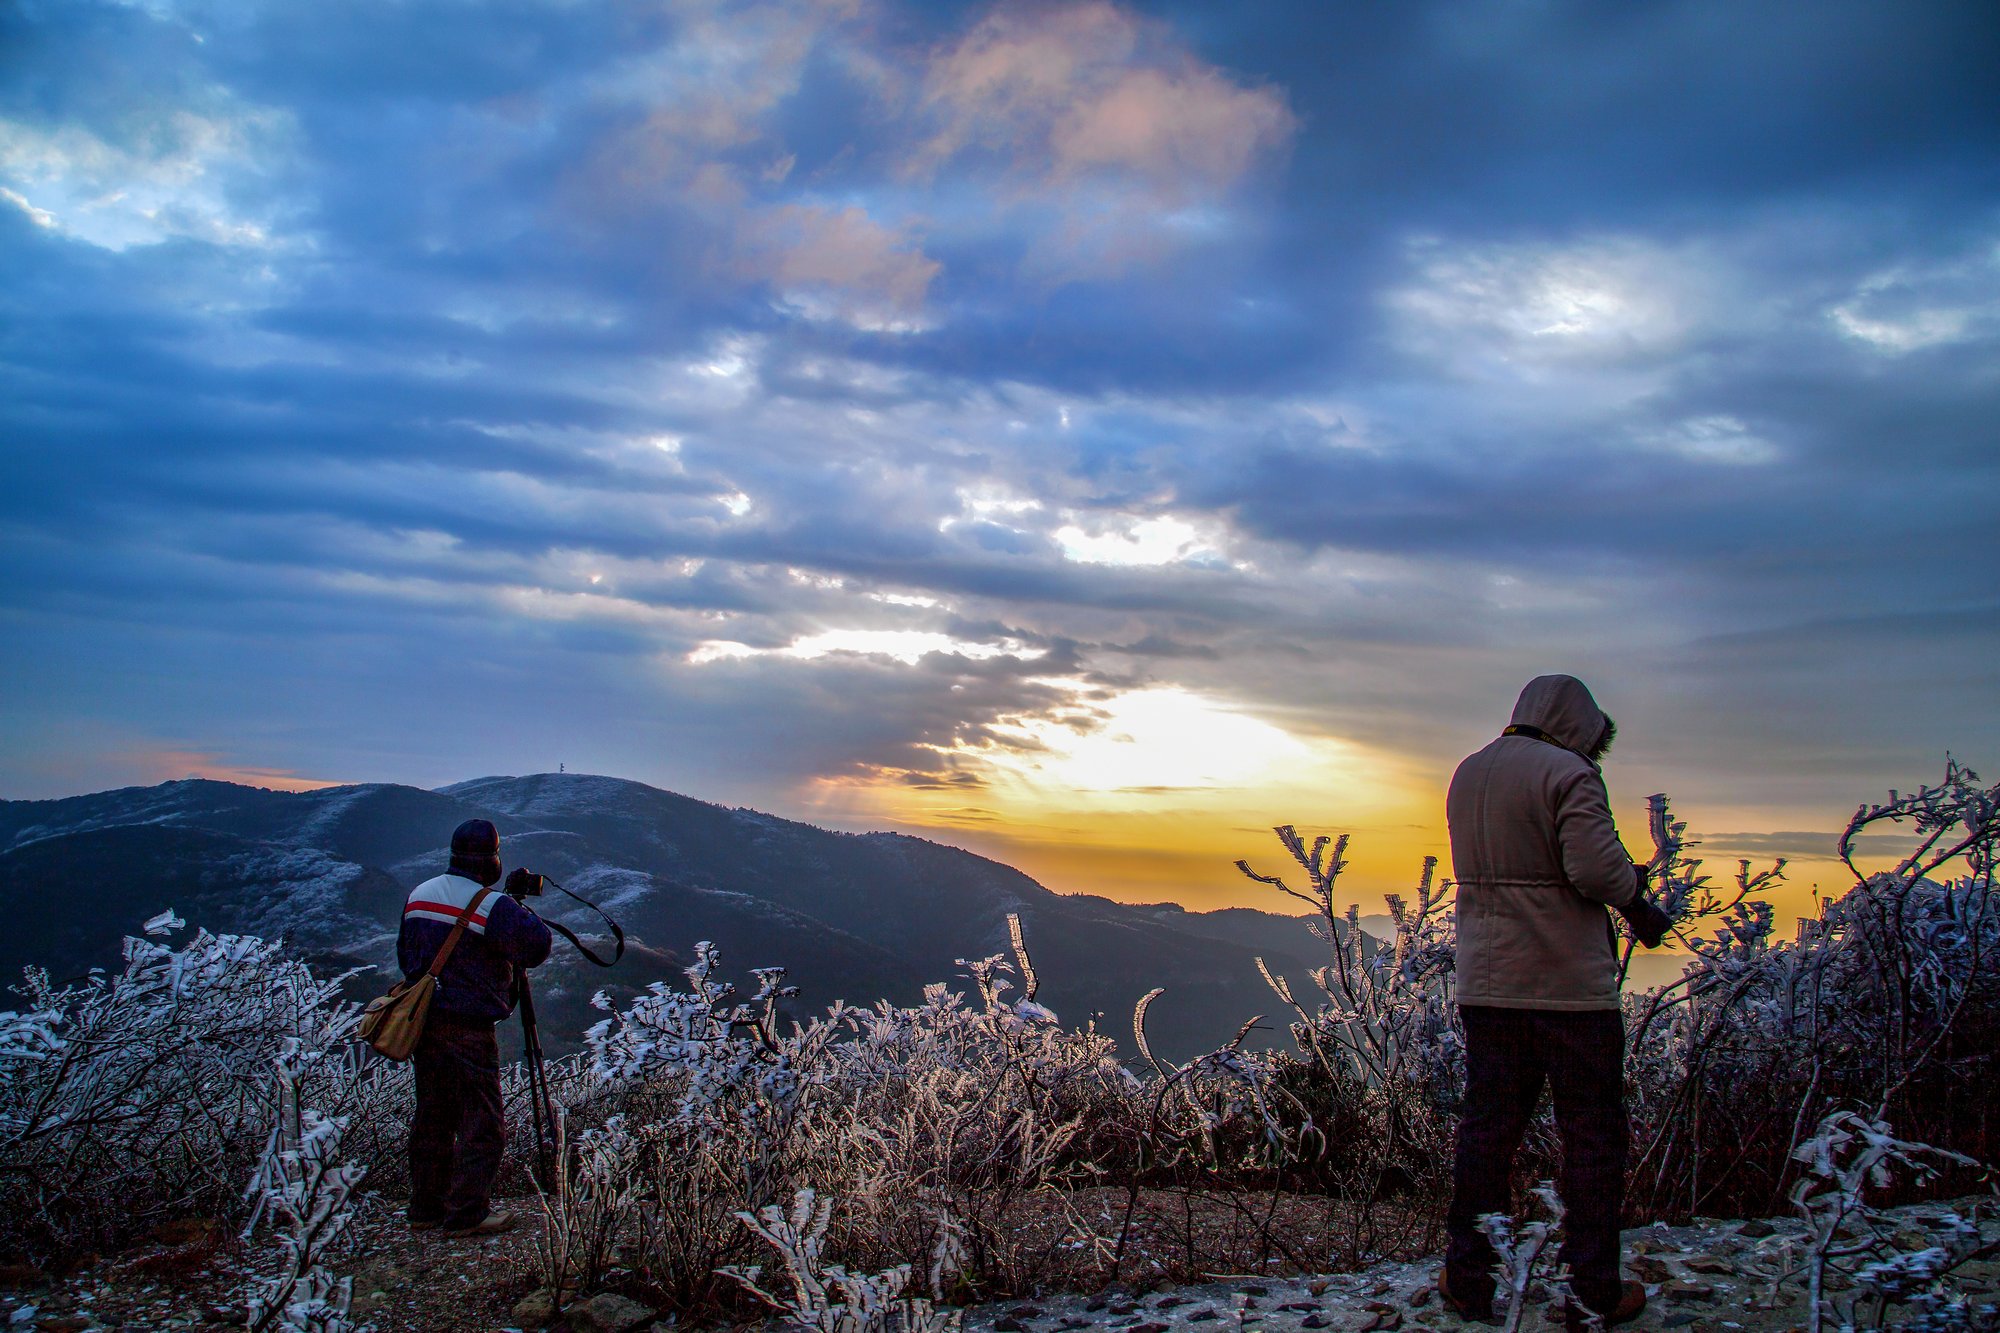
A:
x: 1539, y: 869
x: 459, y: 1132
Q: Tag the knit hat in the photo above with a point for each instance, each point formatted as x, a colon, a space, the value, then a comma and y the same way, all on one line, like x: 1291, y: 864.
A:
x: 475, y: 851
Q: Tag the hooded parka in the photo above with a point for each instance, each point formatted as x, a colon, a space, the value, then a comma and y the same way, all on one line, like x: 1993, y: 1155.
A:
x: 1537, y: 860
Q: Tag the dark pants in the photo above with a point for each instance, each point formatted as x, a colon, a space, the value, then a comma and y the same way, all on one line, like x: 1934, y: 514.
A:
x: 1508, y: 1055
x: 458, y: 1132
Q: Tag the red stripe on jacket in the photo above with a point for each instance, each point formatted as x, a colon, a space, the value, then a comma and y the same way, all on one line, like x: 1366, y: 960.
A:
x: 443, y: 909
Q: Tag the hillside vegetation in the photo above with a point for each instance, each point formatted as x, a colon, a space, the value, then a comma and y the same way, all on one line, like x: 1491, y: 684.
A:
x: 869, y: 1165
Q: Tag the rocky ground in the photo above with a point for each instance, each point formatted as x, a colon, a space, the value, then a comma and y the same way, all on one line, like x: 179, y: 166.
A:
x: 1713, y: 1277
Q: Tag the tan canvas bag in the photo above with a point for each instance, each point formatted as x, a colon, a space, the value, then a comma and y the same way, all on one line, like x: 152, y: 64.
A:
x: 392, y: 1023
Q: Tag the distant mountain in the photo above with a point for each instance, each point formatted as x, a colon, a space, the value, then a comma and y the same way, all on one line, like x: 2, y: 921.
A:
x: 853, y: 916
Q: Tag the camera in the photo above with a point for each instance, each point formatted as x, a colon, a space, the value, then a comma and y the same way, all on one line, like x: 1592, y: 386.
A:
x: 524, y: 884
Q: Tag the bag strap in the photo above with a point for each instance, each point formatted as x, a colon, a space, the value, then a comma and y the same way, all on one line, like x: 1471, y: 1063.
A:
x: 451, y: 940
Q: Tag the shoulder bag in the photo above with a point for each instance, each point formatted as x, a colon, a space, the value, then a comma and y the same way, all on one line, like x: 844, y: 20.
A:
x: 392, y: 1023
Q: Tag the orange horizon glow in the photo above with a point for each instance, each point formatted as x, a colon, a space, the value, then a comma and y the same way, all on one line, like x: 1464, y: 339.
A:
x: 1071, y: 807
x: 173, y: 765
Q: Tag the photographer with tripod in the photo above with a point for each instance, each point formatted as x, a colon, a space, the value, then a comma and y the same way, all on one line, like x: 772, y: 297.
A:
x: 459, y: 1130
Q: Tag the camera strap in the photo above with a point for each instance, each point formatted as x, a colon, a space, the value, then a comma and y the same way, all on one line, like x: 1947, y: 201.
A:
x: 617, y: 932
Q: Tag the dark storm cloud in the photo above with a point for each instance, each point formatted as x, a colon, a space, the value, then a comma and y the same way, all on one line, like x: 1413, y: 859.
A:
x: 361, y: 362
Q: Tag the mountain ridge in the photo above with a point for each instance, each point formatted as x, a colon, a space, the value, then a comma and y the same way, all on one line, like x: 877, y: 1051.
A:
x: 855, y: 916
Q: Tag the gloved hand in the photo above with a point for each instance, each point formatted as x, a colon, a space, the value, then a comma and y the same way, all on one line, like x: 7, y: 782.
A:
x: 1647, y: 922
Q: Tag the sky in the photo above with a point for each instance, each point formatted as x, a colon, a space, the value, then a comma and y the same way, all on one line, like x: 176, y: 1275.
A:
x: 1089, y: 433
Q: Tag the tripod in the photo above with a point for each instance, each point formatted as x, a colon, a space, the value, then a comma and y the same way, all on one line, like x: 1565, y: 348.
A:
x: 539, y: 1103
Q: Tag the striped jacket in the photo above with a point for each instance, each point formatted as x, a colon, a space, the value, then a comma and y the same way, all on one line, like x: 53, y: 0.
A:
x: 478, y: 981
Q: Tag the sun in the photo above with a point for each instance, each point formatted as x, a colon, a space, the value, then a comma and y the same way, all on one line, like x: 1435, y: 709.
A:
x: 1142, y: 742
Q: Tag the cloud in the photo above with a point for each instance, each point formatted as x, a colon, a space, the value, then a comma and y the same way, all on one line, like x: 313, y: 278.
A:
x: 1513, y: 310
x: 842, y: 264
x: 174, y: 180
x: 1080, y: 90
x: 790, y: 402
x: 1912, y: 307
x: 1105, y: 117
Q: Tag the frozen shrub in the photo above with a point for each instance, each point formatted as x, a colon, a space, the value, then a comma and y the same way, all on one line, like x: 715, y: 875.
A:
x: 1519, y: 1248
x: 308, y: 1197
x: 1889, y: 999
x: 1847, y: 1155
x: 826, y: 1297
x: 132, y: 1097
x: 586, y: 1205
x: 1377, y: 1049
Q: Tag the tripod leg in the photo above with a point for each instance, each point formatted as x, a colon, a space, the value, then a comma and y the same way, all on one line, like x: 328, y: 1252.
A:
x: 539, y: 1107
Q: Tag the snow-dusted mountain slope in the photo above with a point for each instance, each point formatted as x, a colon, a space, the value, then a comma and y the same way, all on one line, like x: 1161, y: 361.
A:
x: 854, y: 916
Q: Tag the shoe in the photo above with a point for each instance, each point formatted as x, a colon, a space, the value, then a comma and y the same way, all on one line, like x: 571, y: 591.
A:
x: 496, y: 1221
x: 1479, y: 1312
x: 1631, y: 1303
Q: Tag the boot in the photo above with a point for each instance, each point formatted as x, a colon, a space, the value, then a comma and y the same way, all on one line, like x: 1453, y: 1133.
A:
x: 498, y: 1220
x: 1631, y: 1303
x: 1465, y: 1307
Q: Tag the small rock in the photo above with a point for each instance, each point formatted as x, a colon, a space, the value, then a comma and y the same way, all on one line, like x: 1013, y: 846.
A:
x: 1254, y: 1290
x: 1025, y: 1312
x: 1649, y: 1269
x: 1681, y: 1320
x: 1203, y: 1315
x: 1708, y: 1263
x: 1317, y: 1287
x: 1149, y: 1327
x: 1125, y: 1308
x: 217, y: 1314
x: 1095, y: 1305
x: 1169, y: 1301
x: 1301, y: 1307
x: 1009, y: 1324
x: 1313, y: 1321
x: 608, y: 1312
x: 1689, y: 1291
x: 1756, y: 1229
x: 1909, y: 1238
x: 68, y: 1323
x: 535, y: 1309
x: 1420, y: 1298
